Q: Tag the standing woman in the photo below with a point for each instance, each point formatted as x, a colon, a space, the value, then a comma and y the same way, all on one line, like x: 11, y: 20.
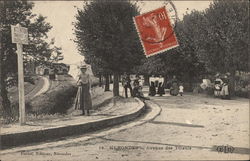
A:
x: 225, y: 94
x: 152, y: 89
x: 161, y: 90
x: 84, y: 84
x: 217, y: 85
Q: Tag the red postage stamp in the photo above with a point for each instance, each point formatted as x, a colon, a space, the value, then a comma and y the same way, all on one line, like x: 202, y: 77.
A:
x: 155, y: 31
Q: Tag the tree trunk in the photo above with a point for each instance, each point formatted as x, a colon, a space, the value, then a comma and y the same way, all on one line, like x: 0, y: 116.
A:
x: 4, y: 100
x: 146, y: 80
x: 232, y: 83
x: 107, y: 83
x: 165, y: 81
x: 116, y: 85
x: 119, y: 78
x: 110, y: 78
x: 100, y: 80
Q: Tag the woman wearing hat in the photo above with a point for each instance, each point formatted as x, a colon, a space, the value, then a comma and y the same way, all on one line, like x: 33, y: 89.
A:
x: 217, y: 85
x: 225, y: 94
x: 84, y: 84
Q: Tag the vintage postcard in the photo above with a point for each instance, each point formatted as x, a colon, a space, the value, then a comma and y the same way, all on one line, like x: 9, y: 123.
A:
x: 124, y: 80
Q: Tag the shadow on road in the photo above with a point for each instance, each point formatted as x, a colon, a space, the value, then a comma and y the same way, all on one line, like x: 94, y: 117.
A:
x: 157, y: 143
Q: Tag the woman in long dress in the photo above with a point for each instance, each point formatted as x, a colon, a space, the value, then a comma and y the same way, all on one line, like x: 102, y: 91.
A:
x: 152, y: 89
x: 161, y: 90
x: 225, y: 88
x: 84, y: 86
x: 217, y: 86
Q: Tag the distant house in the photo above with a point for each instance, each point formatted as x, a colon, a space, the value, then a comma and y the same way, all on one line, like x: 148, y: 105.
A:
x: 29, y: 67
x: 59, y: 68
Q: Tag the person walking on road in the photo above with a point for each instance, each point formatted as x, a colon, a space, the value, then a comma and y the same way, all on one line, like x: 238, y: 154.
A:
x: 84, y: 89
x: 126, y: 84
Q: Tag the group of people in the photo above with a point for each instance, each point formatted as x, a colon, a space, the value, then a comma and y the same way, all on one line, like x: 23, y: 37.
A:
x: 136, y: 91
x: 83, y: 98
x: 221, y: 86
x: 156, y: 86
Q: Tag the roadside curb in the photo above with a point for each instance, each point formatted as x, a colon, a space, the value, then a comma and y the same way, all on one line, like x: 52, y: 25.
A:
x: 16, y: 139
x: 155, y: 108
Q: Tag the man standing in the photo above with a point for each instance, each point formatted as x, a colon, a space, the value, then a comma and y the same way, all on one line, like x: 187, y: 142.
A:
x: 126, y: 84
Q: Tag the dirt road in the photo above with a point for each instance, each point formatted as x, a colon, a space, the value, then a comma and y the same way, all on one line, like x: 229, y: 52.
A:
x: 191, y: 127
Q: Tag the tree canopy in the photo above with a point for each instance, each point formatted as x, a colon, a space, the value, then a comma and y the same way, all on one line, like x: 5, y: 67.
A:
x: 211, y: 41
x: 224, y: 45
x: 40, y: 51
x: 106, y: 35
x: 20, y: 12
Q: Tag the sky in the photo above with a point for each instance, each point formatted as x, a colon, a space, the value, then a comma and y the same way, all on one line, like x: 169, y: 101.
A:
x: 61, y: 14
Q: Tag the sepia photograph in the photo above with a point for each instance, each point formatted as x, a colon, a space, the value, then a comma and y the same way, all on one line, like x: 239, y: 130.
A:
x: 124, y: 80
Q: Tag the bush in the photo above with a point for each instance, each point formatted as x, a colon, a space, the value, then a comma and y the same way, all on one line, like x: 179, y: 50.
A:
x: 14, y: 113
x: 54, y: 101
x: 241, y: 93
x: 58, y: 100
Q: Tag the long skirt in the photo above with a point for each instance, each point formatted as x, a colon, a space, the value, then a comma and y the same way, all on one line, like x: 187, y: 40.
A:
x: 160, y: 90
x: 83, y: 98
x: 152, y: 91
x: 224, y: 90
x: 217, y: 93
x: 174, y: 90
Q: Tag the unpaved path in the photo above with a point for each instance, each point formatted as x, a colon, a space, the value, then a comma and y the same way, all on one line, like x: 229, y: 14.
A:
x: 42, y: 87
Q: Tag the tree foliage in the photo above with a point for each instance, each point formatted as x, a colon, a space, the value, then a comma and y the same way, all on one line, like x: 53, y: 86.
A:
x: 20, y: 12
x: 106, y: 36
x: 225, y: 45
x: 214, y: 40
x: 181, y: 61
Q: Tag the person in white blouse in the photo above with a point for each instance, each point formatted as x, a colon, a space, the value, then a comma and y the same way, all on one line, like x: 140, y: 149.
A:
x: 84, y: 89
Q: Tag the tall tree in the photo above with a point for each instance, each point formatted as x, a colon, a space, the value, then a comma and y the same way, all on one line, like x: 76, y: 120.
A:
x: 225, y: 47
x: 20, y: 12
x: 181, y: 61
x: 105, y: 32
x: 214, y: 40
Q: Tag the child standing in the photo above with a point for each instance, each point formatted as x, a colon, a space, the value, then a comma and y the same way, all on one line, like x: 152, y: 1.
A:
x: 181, y: 88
